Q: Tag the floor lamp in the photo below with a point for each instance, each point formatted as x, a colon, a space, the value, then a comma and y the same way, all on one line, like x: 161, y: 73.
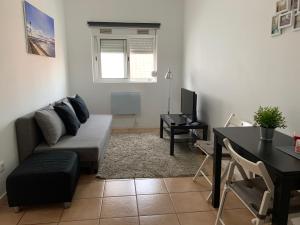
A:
x: 169, y: 76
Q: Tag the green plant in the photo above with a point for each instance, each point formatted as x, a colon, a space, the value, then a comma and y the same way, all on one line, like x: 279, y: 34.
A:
x: 270, y: 117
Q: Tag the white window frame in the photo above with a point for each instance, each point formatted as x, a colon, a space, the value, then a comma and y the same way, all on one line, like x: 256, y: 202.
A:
x: 96, y: 58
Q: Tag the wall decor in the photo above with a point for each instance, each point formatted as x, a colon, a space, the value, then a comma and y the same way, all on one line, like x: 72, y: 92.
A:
x: 286, y: 19
x: 294, y: 4
x: 275, y: 26
x: 297, y: 22
x: 40, y: 34
x: 282, y: 6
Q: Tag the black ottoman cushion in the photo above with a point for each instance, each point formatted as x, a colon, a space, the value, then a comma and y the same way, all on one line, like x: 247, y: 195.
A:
x: 46, y: 177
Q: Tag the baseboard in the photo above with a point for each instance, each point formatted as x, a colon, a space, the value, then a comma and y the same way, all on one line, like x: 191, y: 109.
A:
x: 3, y: 195
x: 134, y: 130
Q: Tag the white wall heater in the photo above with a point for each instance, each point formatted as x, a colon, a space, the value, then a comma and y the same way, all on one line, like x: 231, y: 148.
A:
x: 125, y: 103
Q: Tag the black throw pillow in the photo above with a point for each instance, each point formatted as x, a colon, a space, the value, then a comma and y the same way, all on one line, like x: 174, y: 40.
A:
x: 80, y: 108
x: 70, y: 120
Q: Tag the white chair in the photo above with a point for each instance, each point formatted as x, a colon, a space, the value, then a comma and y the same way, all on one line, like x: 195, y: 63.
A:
x: 255, y: 193
x: 207, y: 148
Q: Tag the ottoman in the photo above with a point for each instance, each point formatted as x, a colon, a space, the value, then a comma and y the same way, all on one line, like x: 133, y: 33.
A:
x: 45, y: 177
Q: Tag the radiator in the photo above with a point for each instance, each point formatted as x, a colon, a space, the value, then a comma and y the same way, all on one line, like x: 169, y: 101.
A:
x: 125, y: 103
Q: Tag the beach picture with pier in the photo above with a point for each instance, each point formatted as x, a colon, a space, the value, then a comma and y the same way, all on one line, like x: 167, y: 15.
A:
x: 39, y: 31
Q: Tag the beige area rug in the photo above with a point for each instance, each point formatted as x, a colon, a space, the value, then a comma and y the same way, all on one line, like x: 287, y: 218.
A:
x: 146, y: 155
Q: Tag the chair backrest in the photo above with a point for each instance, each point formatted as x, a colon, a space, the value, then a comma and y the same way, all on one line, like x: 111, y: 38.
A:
x: 235, y: 121
x: 256, y: 168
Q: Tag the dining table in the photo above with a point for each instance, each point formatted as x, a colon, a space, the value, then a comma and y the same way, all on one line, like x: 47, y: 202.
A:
x: 278, y: 155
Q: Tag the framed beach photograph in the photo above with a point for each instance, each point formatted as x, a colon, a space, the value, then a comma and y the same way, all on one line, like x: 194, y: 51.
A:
x: 282, y: 6
x: 286, y: 20
x: 297, y: 22
x: 40, y: 35
x: 275, y: 31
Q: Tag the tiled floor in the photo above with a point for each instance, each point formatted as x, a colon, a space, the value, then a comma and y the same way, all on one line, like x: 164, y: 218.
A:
x: 169, y: 201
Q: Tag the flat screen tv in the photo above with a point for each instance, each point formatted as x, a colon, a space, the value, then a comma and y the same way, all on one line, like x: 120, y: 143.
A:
x: 189, y: 104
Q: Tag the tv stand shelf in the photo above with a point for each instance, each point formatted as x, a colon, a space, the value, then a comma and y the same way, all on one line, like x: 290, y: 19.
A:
x: 178, y: 124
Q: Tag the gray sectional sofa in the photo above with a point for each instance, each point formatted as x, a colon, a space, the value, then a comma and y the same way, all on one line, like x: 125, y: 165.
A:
x: 89, y: 143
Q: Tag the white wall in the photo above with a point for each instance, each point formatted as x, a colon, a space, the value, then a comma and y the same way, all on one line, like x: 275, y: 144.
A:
x: 235, y: 65
x: 27, y: 82
x: 154, y: 96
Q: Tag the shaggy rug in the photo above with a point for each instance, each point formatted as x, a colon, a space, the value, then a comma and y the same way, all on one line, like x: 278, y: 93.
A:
x: 147, y: 155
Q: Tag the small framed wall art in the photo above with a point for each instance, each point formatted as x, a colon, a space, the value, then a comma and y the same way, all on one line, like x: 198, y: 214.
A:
x: 294, y: 5
x: 275, y: 26
x: 297, y: 22
x: 286, y: 20
x: 282, y: 6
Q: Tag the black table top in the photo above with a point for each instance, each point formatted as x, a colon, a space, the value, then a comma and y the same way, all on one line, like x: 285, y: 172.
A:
x: 248, y: 138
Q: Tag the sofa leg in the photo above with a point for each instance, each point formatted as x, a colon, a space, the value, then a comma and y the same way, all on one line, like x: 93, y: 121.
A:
x: 17, y: 209
x: 67, y: 205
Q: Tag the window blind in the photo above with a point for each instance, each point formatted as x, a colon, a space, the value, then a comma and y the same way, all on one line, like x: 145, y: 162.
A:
x: 107, y: 45
x: 141, y: 45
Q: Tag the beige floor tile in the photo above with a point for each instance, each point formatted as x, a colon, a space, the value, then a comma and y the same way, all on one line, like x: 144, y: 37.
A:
x: 119, y: 207
x: 170, y: 219
x: 237, y: 216
x: 190, y: 202
x: 43, y: 214
x: 120, y: 221
x: 9, y: 217
x: 3, y: 201
x: 154, y: 204
x: 81, y: 222
x: 83, y: 209
x: 89, y: 190
x: 197, y: 218
x: 186, y: 184
x: 46, y: 224
x: 119, y: 188
x: 87, y: 178
x: 150, y: 186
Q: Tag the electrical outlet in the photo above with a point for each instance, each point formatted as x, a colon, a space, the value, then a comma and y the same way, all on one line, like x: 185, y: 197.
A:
x: 2, y: 167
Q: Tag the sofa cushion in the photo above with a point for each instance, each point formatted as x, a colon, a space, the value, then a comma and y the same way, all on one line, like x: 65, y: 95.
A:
x: 68, y: 117
x: 80, y: 108
x: 50, y: 124
x: 90, y: 140
x: 67, y: 102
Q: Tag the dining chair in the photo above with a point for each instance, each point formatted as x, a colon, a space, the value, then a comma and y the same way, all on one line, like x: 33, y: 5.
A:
x: 256, y: 193
x: 207, y: 147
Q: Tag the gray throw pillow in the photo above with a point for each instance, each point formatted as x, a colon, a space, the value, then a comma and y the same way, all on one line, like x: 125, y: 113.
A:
x: 50, y: 124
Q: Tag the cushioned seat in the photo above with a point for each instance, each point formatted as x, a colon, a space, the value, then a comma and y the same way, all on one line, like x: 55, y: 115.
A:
x: 90, y: 141
x: 46, y: 177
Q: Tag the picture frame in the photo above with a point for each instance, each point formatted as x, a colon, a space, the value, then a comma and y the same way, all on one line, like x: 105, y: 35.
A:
x: 294, y: 5
x: 282, y: 6
x: 296, y: 26
x: 275, y: 30
x: 286, y: 20
x: 40, y: 33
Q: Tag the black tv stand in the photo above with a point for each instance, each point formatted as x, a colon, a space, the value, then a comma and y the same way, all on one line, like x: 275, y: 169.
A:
x: 180, y: 124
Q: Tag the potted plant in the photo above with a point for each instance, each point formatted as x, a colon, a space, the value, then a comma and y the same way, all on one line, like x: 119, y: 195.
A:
x: 269, y: 118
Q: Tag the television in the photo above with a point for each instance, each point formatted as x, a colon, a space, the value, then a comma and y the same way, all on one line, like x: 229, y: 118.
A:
x: 189, y: 104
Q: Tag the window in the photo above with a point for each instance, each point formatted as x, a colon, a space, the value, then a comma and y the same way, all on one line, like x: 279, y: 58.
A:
x: 125, y: 57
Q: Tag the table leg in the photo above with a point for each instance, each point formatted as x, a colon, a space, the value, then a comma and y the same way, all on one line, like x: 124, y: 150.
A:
x: 172, y: 141
x: 161, y: 128
x: 281, y: 203
x: 205, y: 131
x: 216, y: 173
